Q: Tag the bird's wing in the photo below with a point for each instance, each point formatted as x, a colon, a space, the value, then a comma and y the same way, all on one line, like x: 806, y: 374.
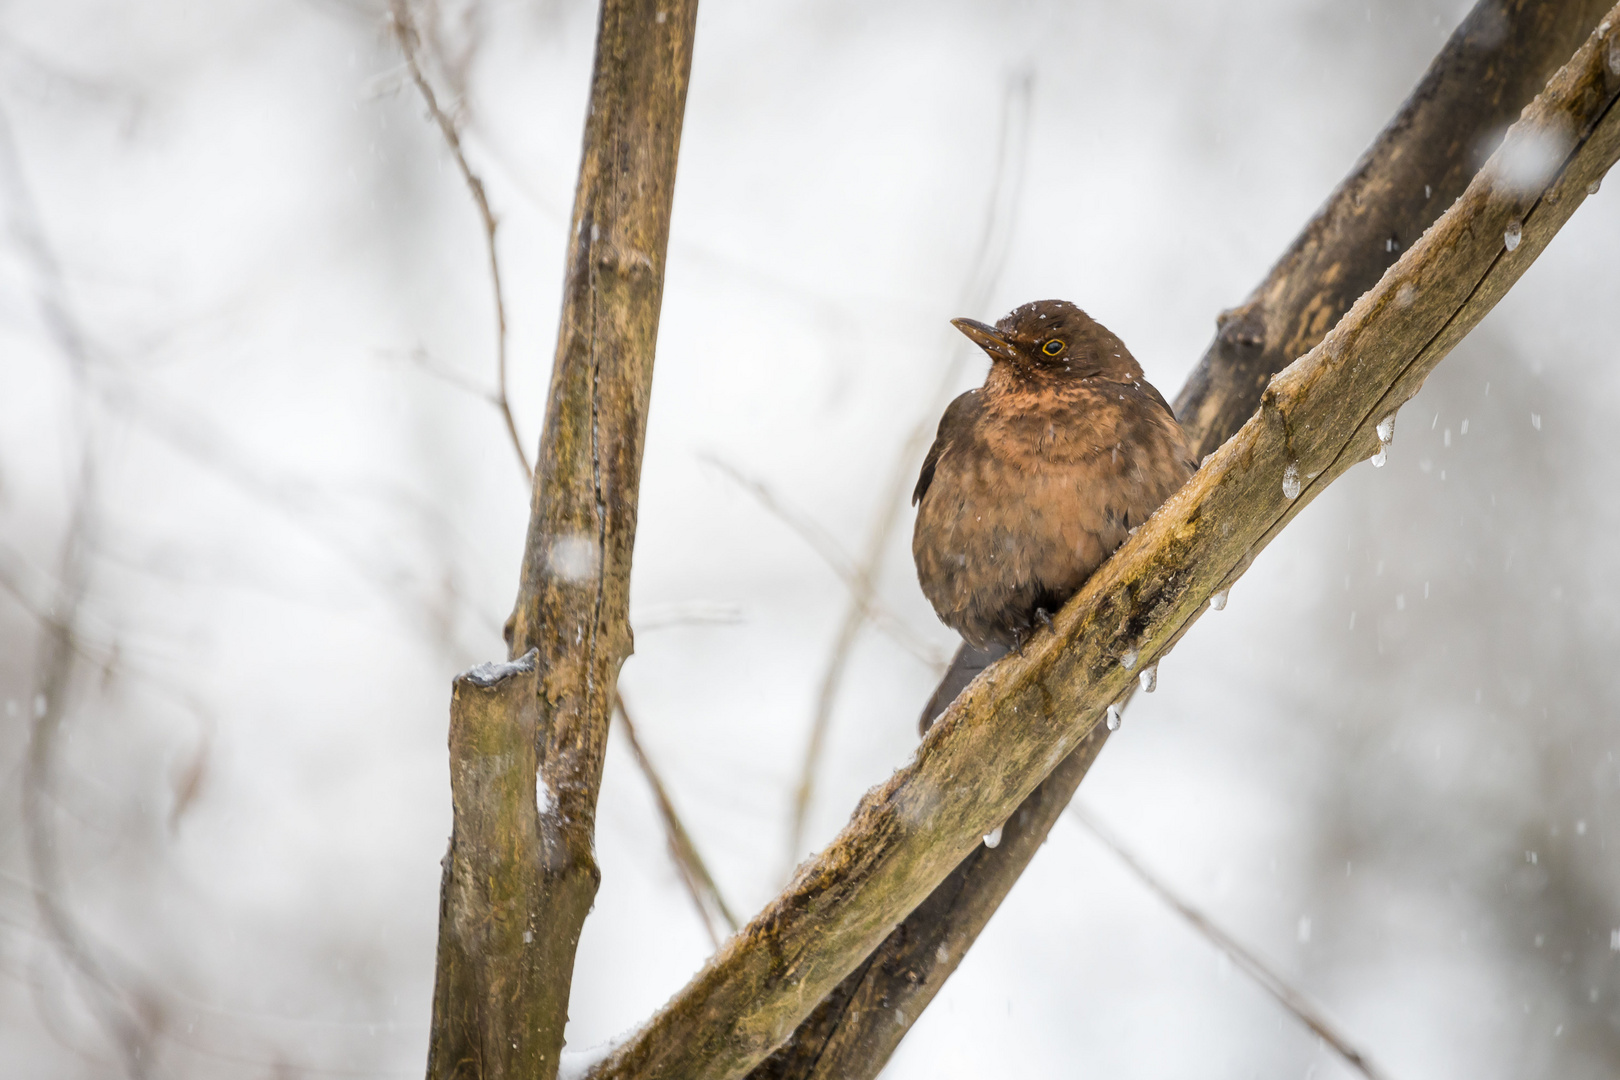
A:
x: 1153, y: 392
x: 958, y: 418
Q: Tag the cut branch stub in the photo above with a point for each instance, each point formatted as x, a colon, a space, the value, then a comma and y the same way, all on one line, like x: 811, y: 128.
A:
x: 1010, y: 728
x: 492, y: 1016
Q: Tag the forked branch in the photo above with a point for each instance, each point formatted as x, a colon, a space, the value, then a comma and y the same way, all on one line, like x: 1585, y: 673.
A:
x: 571, y: 620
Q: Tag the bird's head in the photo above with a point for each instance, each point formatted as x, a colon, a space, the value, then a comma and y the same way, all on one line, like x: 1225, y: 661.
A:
x: 1052, y: 339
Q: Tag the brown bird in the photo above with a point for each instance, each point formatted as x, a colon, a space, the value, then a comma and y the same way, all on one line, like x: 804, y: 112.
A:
x: 1035, y: 478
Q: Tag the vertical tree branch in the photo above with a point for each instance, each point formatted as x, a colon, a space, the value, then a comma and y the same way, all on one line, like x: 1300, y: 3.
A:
x: 116, y: 1007
x: 572, y: 606
x: 493, y: 991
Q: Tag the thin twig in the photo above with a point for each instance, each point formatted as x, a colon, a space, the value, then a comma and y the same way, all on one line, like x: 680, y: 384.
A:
x: 53, y: 678
x: 110, y: 1003
x: 1295, y: 1001
x: 428, y: 365
x: 989, y: 258
x: 823, y: 544
x: 694, y: 874
x: 409, y: 43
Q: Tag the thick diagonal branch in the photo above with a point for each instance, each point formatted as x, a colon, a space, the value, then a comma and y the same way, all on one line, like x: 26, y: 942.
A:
x: 1500, y: 56
x: 572, y: 607
x: 1020, y: 720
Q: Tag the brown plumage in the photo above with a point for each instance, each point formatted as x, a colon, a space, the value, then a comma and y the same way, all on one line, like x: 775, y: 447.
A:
x: 1036, y: 477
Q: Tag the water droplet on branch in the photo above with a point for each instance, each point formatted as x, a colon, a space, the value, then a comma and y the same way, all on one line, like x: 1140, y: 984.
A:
x: 1113, y: 718
x: 1386, y: 435
x: 1218, y: 601
x: 993, y: 837
x: 1290, y: 481
x: 1150, y: 678
x: 1512, y: 234
x: 1128, y: 659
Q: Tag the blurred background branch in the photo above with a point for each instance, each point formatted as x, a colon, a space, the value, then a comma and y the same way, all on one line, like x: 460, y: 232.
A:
x: 1304, y: 1010
x: 985, y: 267
x: 718, y: 921
x: 410, y: 44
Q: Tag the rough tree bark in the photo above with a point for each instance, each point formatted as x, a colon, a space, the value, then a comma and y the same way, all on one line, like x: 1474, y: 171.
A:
x: 1497, y: 60
x: 520, y: 878
x: 1026, y: 715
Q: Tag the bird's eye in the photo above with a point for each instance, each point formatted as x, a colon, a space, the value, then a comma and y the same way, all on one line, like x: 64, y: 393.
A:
x: 1053, y: 347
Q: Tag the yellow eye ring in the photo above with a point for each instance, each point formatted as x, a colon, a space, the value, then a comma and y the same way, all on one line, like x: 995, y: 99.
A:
x: 1053, y: 347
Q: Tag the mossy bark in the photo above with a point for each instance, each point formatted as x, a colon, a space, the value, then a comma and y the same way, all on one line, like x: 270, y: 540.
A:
x: 492, y: 1007
x: 1499, y: 58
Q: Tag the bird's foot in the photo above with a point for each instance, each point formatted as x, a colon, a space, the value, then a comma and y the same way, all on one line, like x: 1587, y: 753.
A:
x: 1043, y: 617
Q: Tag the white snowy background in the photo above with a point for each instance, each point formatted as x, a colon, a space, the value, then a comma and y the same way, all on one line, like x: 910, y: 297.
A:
x: 241, y: 273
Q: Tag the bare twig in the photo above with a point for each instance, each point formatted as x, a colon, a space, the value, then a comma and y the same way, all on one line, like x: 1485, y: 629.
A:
x: 325, y: 517
x: 985, y: 267
x: 1295, y: 1001
x: 111, y: 1003
x: 425, y: 363
x: 53, y: 679
x: 824, y: 545
x: 711, y: 906
x: 410, y: 44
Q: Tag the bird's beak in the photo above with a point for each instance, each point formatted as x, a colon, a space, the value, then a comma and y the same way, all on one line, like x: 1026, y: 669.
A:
x: 989, y: 339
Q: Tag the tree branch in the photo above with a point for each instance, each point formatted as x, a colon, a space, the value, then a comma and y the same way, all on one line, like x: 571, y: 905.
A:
x: 1024, y: 716
x: 694, y: 873
x: 856, y: 579
x: 573, y: 598
x: 117, y: 1008
x: 1499, y: 58
x: 1418, y: 165
x: 493, y: 986
x: 1304, y: 1010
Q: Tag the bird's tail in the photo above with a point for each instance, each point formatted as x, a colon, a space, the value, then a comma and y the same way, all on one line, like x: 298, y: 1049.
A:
x: 965, y: 667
